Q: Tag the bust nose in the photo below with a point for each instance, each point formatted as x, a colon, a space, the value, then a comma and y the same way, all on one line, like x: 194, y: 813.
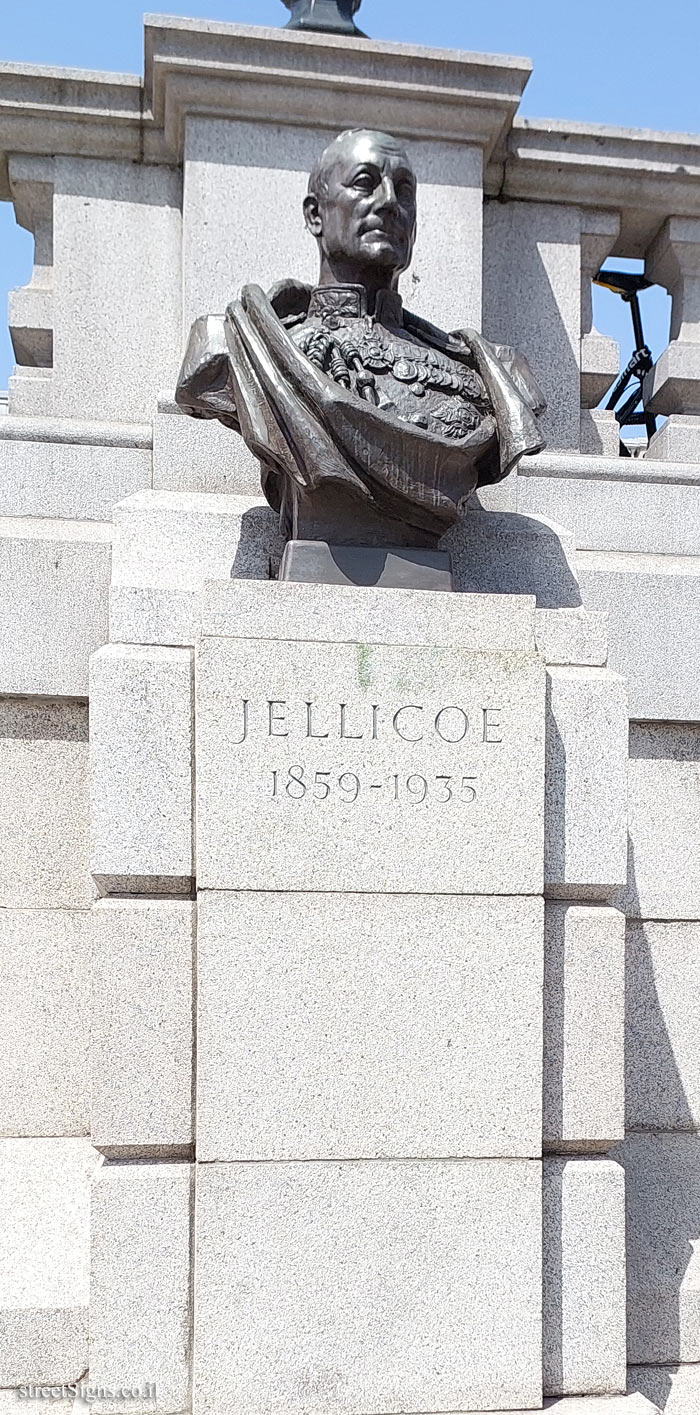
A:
x: 386, y: 193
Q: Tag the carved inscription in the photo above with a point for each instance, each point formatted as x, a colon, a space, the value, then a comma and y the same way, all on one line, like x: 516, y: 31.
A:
x: 413, y: 723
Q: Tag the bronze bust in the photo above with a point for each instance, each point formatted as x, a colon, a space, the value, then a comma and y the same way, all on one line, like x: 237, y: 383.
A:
x: 357, y: 410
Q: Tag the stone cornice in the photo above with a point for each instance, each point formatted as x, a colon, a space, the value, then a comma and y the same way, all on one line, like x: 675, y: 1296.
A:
x: 325, y: 81
x: 240, y: 71
x: 44, y: 111
x: 644, y: 175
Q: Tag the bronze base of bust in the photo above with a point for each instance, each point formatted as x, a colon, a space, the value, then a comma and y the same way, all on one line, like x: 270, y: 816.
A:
x: 315, y: 562
x: 324, y: 16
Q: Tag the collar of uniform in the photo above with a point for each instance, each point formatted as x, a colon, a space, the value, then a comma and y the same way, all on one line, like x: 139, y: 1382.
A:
x: 350, y: 302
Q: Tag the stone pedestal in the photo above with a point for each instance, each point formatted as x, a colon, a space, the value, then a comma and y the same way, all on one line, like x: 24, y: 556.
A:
x: 401, y: 813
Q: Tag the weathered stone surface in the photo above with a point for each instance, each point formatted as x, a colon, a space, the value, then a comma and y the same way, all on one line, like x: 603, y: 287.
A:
x: 70, y: 469
x: 663, y: 1223
x: 45, y: 981
x: 663, y: 1064
x: 140, y: 1285
x: 584, y: 1277
x: 653, y: 608
x: 586, y: 815
x: 663, y: 880
x: 572, y: 636
x: 44, y: 1259
x: 117, y: 286
x: 141, y: 760
x: 375, y: 1287
x: 674, y: 1389
x: 648, y: 507
x: 44, y: 806
x: 497, y: 552
x: 342, y: 755
x: 190, y: 454
x: 678, y: 439
x: 53, y: 604
x: 584, y: 1027
x: 168, y: 543
x: 333, y: 613
x: 532, y: 300
x: 344, y: 1002
x: 141, y: 1035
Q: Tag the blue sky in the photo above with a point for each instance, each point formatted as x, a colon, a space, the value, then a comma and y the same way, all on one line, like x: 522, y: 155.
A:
x: 636, y: 66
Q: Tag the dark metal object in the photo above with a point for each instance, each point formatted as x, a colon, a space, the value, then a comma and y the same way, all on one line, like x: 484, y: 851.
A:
x: 315, y: 562
x: 326, y: 16
x: 372, y: 427
x: 628, y: 286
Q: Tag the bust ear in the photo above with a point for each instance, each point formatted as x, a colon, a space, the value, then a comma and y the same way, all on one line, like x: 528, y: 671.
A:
x: 312, y: 215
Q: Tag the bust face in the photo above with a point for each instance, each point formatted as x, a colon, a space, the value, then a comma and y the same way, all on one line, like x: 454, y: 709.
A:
x: 364, y: 209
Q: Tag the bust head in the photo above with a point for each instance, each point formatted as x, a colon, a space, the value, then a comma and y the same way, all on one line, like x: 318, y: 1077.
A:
x: 361, y: 209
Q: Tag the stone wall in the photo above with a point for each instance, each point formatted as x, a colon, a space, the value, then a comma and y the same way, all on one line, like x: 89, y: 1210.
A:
x: 150, y: 202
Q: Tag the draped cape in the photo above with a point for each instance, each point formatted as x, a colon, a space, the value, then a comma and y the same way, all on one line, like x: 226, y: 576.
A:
x: 310, y: 433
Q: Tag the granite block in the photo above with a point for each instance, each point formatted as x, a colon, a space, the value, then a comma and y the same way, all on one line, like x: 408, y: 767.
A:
x: 532, y: 300
x: 584, y: 1277
x: 141, y: 742
x: 193, y: 455
x: 45, y: 981
x: 674, y: 1389
x: 53, y: 604
x: 584, y: 1028
x: 166, y: 544
x: 663, y: 1223
x: 607, y: 513
x: 343, y: 1002
x: 117, y: 285
x: 44, y: 805
x: 77, y: 479
x: 44, y: 1258
x: 389, y: 750
x: 586, y: 795
x: 662, y: 1061
x: 370, y: 1287
x: 140, y: 1286
x: 572, y: 637
x: 498, y: 552
x: 663, y: 878
x: 653, y: 608
x: 333, y: 613
x: 141, y: 1034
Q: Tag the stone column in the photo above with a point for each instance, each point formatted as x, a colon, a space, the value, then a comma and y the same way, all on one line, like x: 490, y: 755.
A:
x: 673, y: 386
x: 600, y: 355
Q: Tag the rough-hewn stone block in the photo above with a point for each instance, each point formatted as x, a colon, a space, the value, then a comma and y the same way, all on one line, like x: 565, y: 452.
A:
x: 674, y: 1389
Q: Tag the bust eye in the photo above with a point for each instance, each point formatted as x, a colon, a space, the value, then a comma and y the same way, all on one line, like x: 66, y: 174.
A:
x: 364, y: 182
